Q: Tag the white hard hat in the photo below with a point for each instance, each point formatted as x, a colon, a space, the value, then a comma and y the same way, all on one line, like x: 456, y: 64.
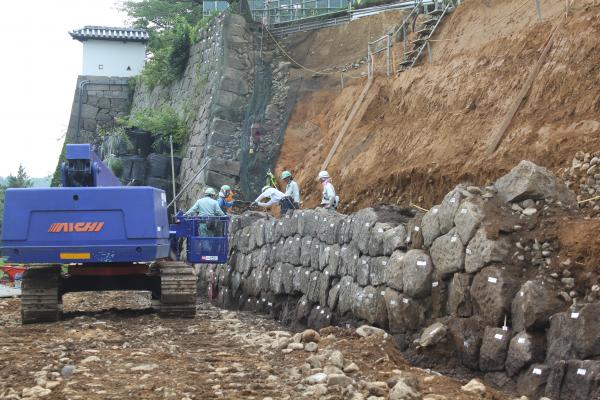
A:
x: 210, y: 191
x: 323, y: 175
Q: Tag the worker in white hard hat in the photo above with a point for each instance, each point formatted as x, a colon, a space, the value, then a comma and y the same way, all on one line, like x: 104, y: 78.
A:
x: 292, y: 193
x: 270, y: 193
x: 329, y: 199
x: 225, y: 199
x: 207, y: 206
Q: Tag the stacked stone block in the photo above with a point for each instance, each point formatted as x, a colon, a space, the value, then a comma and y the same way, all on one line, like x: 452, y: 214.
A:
x: 402, y: 272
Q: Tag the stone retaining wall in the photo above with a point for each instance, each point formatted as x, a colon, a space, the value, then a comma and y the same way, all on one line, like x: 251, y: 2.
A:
x: 215, y: 97
x: 457, y: 265
x: 103, y: 99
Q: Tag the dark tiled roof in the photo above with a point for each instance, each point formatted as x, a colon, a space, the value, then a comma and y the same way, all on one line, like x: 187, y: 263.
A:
x: 109, y: 33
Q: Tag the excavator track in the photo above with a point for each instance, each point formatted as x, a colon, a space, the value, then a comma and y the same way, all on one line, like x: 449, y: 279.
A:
x: 177, y: 289
x: 39, y: 294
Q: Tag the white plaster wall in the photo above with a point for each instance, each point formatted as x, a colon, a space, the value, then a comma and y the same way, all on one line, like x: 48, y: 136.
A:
x: 114, y: 57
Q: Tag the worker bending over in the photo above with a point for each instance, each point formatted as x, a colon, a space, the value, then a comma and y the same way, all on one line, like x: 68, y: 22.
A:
x: 329, y: 199
x: 207, y: 206
x: 292, y: 193
x: 225, y: 199
x: 274, y: 196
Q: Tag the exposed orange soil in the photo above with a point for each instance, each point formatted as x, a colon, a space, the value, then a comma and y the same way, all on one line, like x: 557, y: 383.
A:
x: 422, y: 132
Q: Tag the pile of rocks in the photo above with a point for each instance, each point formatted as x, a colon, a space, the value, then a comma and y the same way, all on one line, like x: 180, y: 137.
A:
x: 400, y: 271
x: 583, y: 177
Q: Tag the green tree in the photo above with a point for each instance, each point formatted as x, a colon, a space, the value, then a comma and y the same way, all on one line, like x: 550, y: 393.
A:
x: 20, y: 181
x: 159, y: 15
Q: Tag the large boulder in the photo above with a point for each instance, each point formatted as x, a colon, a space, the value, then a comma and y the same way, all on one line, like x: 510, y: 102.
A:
x: 430, y: 226
x: 301, y: 280
x: 394, y: 239
x: 327, y: 230
x: 347, y: 294
x: 448, y: 208
x: 459, y: 296
x: 448, y: 253
x: 404, y: 314
x: 290, y: 225
x: 414, y: 234
x: 530, y: 181
x: 416, y: 273
x: 581, y: 380
x: 318, y: 287
x: 493, y: 349
x: 561, y: 336
x: 433, y: 334
x: 362, y: 271
x: 315, y: 253
x: 272, y: 234
x: 482, y: 251
x: 258, y: 233
x: 587, y: 333
x: 324, y: 257
x: 282, y: 279
x: 362, y: 223
x: 375, y: 246
x: 467, y: 219
x: 292, y: 248
x: 334, y: 292
x: 349, y: 258
x: 306, y: 224
x: 319, y: 317
x: 370, y: 306
x: 334, y: 260
x: 345, y: 231
x: 306, y: 251
x: 532, y: 381
x: 492, y: 292
x: 466, y: 335
x: 533, y: 305
x: 377, y: 269
x: 393, y: 272
x: 524, y: 349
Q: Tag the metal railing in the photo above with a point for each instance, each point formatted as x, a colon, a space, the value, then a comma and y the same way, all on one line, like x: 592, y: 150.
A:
x: 426, y: 40
x: 373, y: 46
x: 341, y: 16
x: 285, y: 11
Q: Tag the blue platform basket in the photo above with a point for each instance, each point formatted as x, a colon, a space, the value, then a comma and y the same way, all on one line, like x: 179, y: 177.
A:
x: 207, y: 238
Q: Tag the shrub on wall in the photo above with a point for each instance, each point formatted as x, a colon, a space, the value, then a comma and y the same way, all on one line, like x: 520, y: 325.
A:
x: 162, y: 123
x: 169, y: 53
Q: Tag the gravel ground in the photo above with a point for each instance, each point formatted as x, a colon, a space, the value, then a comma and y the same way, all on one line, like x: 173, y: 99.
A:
x: 111, y: 346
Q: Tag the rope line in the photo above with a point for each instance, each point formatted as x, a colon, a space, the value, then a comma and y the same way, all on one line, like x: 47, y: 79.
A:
x: 322, y: 72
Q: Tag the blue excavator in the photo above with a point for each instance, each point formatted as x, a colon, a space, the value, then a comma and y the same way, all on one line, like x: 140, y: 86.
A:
x: 93, y: 234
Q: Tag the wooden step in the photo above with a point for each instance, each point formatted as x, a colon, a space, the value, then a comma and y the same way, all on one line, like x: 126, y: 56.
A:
x: 407, y: 62
x: 424, y: 31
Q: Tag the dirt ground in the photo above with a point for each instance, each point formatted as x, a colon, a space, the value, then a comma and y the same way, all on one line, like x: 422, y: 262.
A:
x: 120, y: 349
x: 420, y: 133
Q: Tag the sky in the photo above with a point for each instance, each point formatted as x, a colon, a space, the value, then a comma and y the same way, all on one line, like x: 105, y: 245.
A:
x: 39, y: 66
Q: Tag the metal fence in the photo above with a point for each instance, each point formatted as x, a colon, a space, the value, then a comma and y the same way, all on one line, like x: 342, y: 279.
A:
x: 273, y: 12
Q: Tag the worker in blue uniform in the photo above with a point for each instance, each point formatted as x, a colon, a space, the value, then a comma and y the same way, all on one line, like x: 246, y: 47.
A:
x: 207, y: 206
